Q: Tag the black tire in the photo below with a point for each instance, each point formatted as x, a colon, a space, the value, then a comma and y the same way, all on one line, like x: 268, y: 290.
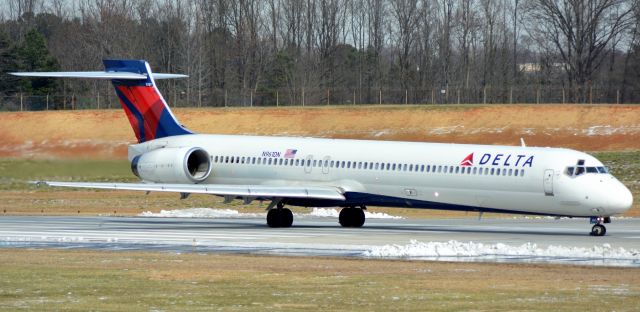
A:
x: 286, y: 217
x: 357, y: 217
x: 351, y: 217
x: 273, y: 218
x: 345, y: 217
x: 598, y: 230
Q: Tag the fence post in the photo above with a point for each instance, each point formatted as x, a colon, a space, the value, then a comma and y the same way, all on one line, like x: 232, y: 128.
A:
x: 562, y: 95
x: 47, y: 101
x: 484, y: 95
x: 277, y: 99
x: 73, y: 102
x: 538, y: 96
x: 98, y: 100
x: 618, y: 96
x: 251, y: 99
x: 458, y: 90
x: 354, y: 97
x: 21, y: 105
x: 433, y: 96
x: 406, y: 97
x: 328, y: 95
x: 302, y: 96
x: 380, y: 97
x: 590, y: 94
x: 511, y: 95
x: 225, y: 97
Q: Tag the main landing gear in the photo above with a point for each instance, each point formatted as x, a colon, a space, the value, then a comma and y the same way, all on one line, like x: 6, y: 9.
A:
x: 279, y: 217
x: 352, y: 216
x: 598, y: 228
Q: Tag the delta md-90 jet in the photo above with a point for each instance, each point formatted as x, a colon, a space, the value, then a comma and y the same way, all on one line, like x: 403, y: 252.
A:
x: 352, y: 174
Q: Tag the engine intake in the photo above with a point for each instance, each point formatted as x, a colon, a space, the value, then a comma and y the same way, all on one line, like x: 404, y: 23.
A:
x: 173, y: 165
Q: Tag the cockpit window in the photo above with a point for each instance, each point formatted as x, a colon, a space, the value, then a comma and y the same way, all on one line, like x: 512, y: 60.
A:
x: 580, y: 170
x: 592, y: 170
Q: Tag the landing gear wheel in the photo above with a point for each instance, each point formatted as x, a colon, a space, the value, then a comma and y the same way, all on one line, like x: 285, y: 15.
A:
x: 287, y: 217
x: 598, y: 230
x: 351, y: 217
x: 272, y: 218
x: 281, y: 217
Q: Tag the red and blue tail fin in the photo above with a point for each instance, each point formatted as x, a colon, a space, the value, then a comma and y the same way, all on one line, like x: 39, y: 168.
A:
x: 147, y: 111
x: 149, y: 115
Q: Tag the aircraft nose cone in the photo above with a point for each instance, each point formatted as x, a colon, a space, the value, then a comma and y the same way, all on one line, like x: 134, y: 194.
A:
x: 621, y: 199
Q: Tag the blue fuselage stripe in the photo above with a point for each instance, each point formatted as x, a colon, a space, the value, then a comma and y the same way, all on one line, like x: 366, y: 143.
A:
x: 135, y: 112
x: 364, y: 199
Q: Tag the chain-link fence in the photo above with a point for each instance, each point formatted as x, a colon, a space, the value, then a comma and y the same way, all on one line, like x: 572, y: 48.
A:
x: 318, y: 97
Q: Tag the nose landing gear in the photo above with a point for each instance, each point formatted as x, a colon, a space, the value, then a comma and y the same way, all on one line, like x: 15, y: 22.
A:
x: 598, y: 228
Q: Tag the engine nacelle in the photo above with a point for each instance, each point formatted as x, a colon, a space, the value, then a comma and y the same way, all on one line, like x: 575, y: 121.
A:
x: 173, y: 165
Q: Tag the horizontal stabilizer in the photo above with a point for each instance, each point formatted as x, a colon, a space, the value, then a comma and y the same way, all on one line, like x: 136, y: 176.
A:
x: 257, y: 191
x: 98, y: 75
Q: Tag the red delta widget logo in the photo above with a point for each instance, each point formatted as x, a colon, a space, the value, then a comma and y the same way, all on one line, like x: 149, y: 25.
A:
x: 507, y: 160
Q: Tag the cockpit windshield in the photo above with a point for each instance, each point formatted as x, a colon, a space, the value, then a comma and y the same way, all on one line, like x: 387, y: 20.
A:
x: 575, y: 171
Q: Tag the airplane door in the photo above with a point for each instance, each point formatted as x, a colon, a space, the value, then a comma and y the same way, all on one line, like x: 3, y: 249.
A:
x: 548, y: 182
x: 325, y: 164
x: 308, y: 164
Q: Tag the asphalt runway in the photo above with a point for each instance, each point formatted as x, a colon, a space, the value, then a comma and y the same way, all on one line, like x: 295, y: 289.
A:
x: 322, y: 236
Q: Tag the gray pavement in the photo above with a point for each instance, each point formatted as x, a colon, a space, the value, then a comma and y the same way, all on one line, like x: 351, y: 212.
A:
x: 319, y: 236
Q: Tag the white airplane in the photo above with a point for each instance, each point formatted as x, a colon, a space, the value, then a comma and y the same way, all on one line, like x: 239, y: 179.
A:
x: 352, y: 174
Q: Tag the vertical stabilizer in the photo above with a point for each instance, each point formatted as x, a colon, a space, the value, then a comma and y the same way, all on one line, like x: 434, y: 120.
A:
x: 149, y: 115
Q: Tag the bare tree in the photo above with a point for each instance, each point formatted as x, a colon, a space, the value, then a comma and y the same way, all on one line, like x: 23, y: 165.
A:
x: 579, y: 31
x: 406, y: 14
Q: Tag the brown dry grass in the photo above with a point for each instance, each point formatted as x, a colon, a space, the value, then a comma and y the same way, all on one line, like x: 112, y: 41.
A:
x: 105, y: 133
x: 94, y: 280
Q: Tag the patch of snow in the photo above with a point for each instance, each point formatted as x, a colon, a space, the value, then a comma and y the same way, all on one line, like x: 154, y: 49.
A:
x: 610, y: 130
x: 334, y: 213
x: 199, y: 213
x: 230, y: 213
x: 324, y: 212
x: 381, y: 133
x: 444, y: 130
x: 528, y: 131
x: 599, y: 130
x: 416, y: 249
x: 621, y: 290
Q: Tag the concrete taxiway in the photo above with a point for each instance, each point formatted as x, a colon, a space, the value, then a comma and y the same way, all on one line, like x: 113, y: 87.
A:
x: 313, y: 236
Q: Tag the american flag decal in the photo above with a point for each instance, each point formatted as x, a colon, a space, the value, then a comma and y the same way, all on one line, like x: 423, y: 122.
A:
x: 290, y: 153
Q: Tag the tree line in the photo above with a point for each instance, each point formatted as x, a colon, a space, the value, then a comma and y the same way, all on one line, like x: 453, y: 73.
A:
x: 293, y: 51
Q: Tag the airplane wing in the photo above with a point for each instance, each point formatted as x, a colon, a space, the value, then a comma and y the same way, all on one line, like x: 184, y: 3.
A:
x: 256, y: 191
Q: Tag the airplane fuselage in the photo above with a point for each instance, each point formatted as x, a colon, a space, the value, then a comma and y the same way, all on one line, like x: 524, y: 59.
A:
x: 527, y: 180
